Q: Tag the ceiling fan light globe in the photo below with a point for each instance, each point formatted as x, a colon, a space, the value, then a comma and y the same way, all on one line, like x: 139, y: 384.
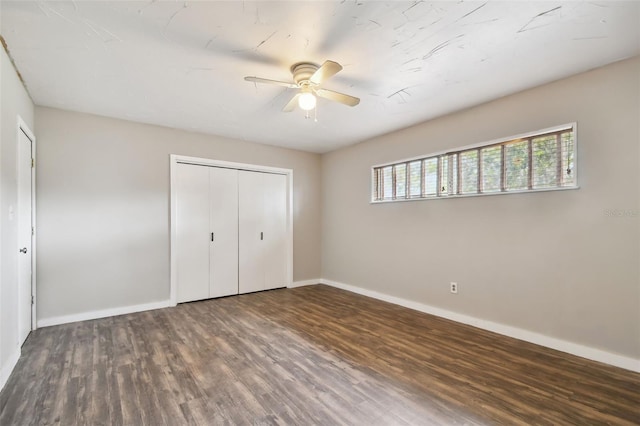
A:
x: 307, y: 101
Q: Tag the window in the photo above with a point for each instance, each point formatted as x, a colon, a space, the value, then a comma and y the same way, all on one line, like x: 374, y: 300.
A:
x: 543, y: 160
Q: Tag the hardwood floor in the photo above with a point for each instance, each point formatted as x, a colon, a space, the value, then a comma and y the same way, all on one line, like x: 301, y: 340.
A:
x: 311, y: 355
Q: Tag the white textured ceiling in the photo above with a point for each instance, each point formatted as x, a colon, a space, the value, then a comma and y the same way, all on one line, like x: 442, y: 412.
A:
x: 181, y: 64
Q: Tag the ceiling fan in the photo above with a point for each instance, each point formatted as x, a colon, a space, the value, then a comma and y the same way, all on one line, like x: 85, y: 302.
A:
x: 308, y: 77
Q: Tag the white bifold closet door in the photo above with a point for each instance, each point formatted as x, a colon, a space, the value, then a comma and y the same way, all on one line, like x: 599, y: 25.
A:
x: 262, y: 231
x: 206, y: 232
x: 223, y: 252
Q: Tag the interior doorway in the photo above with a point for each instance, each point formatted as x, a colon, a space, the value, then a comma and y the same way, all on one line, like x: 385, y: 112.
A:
x: 26, y: 231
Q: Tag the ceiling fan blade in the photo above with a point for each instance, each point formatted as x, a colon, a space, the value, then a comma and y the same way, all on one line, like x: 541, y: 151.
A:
x: 293, y: 103
x: 326, y: 71
x: 338, y: 97
x: 267, y: 81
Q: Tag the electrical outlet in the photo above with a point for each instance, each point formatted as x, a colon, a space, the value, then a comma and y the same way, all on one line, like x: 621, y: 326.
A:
x: 454, y: 287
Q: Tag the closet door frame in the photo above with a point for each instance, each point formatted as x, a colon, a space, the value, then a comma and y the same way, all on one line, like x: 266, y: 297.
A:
x: 175, y: 159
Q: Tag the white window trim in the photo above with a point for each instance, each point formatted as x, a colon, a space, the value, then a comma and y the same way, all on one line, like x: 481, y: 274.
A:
x: 526, y: 135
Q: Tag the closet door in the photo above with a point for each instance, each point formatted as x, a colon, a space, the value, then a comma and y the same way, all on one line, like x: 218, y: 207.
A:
x: 274, y: 244
x: 192, y: 239
x: 263, y: 231
x: 251, y: 232
x: 223, y: 253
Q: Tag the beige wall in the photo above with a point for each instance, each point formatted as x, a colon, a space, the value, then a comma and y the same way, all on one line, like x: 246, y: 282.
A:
x: 553, y: 263
x: 14, y: 102
x: 103, y: 208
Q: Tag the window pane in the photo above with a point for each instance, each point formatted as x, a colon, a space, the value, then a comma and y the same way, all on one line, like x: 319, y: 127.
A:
x: 431, y: 176
x: 401, y: 180
x: 545, y: 162
x: 375, y: 190
x: 469, y: 172
x: 449, y: 174
x: 444, y: 175
x: 517, y: 165
x: 414, y: 178
x: 453, y: 173
x: 491, y: 168
x: 387, y: 182
x: 568, y: 162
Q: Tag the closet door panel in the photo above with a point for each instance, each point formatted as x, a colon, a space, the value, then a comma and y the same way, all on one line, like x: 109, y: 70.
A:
x: 275, y: 231
x: 192, y: 223
x: 251, y: 208
x: 223, y: 184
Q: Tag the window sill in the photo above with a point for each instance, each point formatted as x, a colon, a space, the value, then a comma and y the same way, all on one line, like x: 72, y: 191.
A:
x: 448, y: 197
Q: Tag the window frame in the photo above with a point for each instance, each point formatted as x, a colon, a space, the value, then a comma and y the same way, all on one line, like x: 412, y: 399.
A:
x: 449, y: 192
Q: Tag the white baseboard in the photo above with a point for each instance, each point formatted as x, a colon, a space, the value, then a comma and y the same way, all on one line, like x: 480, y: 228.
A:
x: 304, y: 283
x: 46, y: 322
x: 517, y: 333
x: 8, y: 367
x: 506, y: 330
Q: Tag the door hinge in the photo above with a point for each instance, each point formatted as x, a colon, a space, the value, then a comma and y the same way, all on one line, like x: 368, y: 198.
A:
x: 33, y: 163
x: 32, y: 300
x: 33, y: 232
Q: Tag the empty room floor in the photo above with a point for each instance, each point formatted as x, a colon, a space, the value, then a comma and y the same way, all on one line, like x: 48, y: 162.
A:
x: 310, y: 355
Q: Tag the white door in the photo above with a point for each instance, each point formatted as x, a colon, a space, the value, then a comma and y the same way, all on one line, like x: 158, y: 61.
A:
x: 251, y: 232
x: 275, y: 231
x: 223, y: 254
x: 24, y: 235
x: 192, y: 232
x: 263, y: 231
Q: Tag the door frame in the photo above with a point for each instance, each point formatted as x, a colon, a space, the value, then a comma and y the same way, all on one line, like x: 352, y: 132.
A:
x: 175, y: 159
x: 24, y: 128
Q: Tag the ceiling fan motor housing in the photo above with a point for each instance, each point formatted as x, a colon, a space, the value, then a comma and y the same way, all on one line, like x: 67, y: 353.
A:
x: 302, y: 72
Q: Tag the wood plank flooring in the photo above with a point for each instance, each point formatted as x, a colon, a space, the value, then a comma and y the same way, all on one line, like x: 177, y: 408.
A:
x: 307, y: 356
